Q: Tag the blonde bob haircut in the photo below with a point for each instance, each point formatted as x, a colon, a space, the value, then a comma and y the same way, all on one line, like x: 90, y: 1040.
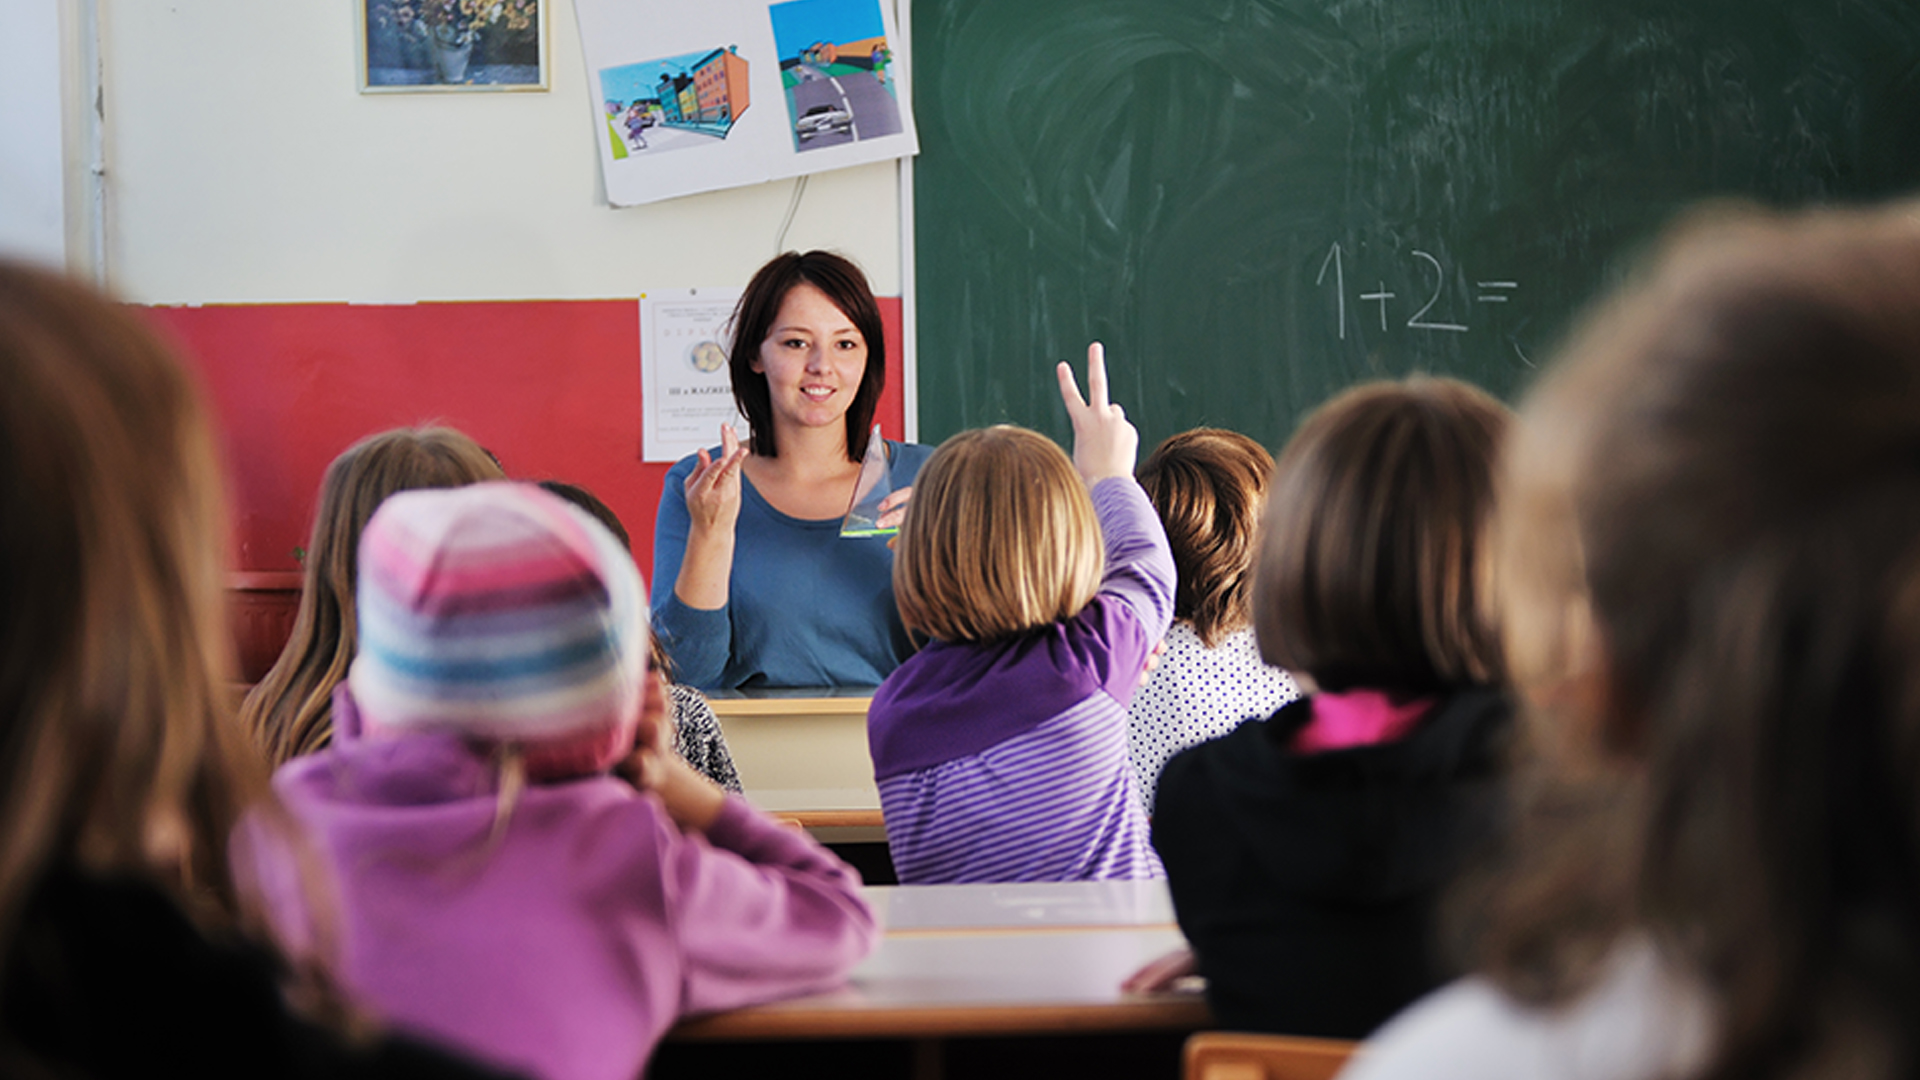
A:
x: 999, y: 539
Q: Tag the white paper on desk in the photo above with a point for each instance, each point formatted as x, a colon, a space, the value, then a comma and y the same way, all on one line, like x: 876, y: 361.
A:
x: 685, y: 392
x: 710, y: 94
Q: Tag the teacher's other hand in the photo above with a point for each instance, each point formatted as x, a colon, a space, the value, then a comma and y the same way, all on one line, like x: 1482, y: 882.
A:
x: 893, y: 508
x: 1104, y: 443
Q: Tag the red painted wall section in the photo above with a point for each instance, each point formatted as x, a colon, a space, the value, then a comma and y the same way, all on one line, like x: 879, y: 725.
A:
x: 551, y: 387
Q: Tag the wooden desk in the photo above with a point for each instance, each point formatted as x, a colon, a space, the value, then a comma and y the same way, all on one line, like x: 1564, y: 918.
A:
x: 802, y: 755
x: 979, y: 960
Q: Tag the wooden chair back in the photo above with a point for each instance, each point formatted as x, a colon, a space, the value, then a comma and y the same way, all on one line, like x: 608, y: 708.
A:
x: 1236, y: 1055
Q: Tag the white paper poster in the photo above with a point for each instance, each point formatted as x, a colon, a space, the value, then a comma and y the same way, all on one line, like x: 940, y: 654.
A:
x: 720, y: 93
x: 685, y: 392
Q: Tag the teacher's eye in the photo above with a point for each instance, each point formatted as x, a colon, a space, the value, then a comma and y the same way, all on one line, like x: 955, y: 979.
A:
x: 847, y: 344
x: 794, y: 343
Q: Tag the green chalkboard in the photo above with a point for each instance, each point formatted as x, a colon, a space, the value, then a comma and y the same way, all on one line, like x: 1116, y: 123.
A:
x: 1257, y: 202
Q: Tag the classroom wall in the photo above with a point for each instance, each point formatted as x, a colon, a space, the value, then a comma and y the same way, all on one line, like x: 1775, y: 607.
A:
x: 284, y: 226
x: 551, y: 387
x: 32, y: 195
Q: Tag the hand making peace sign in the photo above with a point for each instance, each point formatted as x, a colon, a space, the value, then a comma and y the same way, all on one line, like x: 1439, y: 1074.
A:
x: 1104, y: 444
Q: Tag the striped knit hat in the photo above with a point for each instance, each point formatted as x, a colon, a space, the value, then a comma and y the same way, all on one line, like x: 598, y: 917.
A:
x: 501, y: 612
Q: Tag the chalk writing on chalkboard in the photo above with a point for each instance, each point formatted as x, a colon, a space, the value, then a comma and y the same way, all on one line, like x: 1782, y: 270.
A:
x: 1169, y: 176
x: 1492, y: 292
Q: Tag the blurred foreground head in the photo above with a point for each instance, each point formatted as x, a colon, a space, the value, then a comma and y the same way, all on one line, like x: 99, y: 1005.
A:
x: 116, y: 753
x: 1708, y: 548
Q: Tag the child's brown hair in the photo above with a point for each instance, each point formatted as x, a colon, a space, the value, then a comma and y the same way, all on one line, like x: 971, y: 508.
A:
x: 1209, y: 486
x: 1366, y: 575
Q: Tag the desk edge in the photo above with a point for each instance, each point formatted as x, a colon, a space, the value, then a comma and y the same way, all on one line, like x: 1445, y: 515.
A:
x: 801, y: 1022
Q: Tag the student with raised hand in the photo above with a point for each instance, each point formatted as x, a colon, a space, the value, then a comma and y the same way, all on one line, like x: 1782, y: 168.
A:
x: 125, y: 950
x: 290, y: 711
x: 1208, y: 486
x: 500, y: 888
x: 1308, y: 852
x: 753, y: 584
x: 1709, y: 548
x: 1000, y: 749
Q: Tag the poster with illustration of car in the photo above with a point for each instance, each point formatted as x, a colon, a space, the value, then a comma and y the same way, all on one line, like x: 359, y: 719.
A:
x: 834, y: 61
x: 724, y: 93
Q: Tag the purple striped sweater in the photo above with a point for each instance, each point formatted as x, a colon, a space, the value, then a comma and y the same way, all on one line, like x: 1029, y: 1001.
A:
x: 1008, y: 761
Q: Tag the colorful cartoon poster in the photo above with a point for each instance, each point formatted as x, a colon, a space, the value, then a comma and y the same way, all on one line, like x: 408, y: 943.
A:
x: 686, y: 393
x: 722, y: 93
x: 834, y: 62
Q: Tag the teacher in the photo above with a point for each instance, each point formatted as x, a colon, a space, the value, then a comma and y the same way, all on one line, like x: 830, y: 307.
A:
x: 753, y: 584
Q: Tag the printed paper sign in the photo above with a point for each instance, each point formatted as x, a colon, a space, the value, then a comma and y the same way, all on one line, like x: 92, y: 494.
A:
x: 685, y: 391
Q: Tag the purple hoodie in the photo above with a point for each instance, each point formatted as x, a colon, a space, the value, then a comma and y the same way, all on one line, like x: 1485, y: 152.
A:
x: 568, y: 947
x: 1007, y: 761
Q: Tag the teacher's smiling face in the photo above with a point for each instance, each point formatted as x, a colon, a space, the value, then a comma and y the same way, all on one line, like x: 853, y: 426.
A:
x: 813, y: 358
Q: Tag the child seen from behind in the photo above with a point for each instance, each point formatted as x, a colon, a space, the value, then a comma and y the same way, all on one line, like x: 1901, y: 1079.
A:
x: 1709, y: 545
x: 290, y: 711
x: 1307, y: 853
x: 125, y: 950
x: 1000, y: 748
x: 499, y: 889
x: 1209, y: 486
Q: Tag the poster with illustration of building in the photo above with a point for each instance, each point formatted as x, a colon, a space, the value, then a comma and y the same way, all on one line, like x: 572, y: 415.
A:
x: 723, y: 93
x: 675, y: 103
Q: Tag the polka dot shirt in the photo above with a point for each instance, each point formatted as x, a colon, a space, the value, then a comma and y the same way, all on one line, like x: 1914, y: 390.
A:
x: 1198, y: 694
x: 697, y: 737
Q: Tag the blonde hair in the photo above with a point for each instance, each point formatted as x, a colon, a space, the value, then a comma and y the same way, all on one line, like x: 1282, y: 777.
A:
x: 117, y: 749
x: 1000, y: 538
x: 291, y: 711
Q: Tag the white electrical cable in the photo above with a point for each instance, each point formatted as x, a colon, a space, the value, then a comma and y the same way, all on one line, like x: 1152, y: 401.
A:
x: 793, y: 207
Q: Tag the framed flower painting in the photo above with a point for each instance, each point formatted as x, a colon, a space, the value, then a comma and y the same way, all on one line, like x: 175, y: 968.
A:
x: 431, y: 45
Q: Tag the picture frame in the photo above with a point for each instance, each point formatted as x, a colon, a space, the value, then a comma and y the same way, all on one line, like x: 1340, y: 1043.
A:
x: 435, y: 46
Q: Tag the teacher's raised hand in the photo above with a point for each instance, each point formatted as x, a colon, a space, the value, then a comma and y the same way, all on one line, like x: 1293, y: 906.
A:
x: 1104, y: 443
x: 713, y: 506
x: 713, y: 487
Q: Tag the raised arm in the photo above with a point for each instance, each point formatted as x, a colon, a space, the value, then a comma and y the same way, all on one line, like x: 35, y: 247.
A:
x: 1140, y: 572
x: 712, y: 498
x: 1139, y: 563
x: 693, y: 543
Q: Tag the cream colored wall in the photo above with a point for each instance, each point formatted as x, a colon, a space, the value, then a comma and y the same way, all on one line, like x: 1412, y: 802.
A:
x: 243, y: 165
x: 32, y: 198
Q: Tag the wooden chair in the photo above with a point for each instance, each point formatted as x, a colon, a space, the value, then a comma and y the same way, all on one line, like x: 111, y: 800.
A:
x: 1237, y: 1055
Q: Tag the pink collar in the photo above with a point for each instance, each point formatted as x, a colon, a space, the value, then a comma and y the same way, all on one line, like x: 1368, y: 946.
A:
x: 1358, y: 718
